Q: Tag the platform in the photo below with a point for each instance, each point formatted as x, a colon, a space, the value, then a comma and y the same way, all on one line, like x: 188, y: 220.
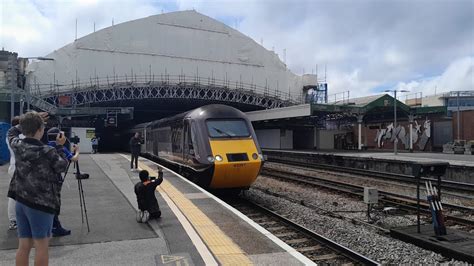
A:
x: 461, y: 167
x: 195, y: 229
x: 456, y: 244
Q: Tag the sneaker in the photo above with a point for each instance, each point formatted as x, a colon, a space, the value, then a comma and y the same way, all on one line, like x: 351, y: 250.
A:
x: 59, y: 231
x: 12, y: 225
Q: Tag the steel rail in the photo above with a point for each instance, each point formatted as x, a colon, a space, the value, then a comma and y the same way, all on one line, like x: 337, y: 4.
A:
x: 408, y: 202
x: 338, y: 248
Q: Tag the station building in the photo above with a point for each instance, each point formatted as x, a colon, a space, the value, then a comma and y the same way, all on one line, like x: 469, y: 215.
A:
x: 354, y: 124
x: 460, y: 107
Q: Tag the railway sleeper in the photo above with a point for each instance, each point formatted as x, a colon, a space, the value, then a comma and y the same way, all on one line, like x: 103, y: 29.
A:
x: 297, y: 241
x: 280, y: 235
x: 309, y: 249
x: 276, y: 228
x: 267, y: 223
x: 325, y: 257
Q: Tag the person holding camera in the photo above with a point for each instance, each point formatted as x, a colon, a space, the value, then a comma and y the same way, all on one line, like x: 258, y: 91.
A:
x: 135, y: 147
x: 35, y: 186
x: 58, y: 229
x: 146, y: 199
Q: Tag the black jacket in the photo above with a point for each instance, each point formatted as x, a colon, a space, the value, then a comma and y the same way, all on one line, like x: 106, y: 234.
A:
x: 145, y: 192
x: 35, y: 182
x: 135, y: 145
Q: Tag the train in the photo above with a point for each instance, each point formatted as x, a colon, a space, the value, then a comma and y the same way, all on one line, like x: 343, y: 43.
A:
x: 215, y: 146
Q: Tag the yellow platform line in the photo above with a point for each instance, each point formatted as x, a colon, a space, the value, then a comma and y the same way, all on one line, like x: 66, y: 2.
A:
x: 223, y: 248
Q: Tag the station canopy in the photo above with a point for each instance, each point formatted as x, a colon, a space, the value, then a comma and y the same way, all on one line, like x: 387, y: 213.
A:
x: 374, y: 108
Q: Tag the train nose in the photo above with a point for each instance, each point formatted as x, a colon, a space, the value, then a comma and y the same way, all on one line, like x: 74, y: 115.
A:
x: 236, y: 163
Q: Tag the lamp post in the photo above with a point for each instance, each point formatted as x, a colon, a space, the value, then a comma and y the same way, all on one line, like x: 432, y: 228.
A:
x: 395, y: 143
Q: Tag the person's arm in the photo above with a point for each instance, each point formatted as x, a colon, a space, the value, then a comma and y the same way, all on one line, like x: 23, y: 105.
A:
x: 13, y: 135
x: 157, y: 181
x: 58, y: 163
x: 57, y: 157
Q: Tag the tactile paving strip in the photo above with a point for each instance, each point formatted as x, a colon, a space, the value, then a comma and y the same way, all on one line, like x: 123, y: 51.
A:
x: 223, y: 248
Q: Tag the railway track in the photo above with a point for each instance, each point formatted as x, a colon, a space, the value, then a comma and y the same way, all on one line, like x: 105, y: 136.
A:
x: 314, y: 246
x: 445, y: 184
x: 404, y: 202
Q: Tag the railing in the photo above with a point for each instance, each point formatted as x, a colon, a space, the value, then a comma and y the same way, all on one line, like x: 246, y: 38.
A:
x: 97, y: 83
x: 339, y: 98
x: 32, y: 99
x: 461, y: 94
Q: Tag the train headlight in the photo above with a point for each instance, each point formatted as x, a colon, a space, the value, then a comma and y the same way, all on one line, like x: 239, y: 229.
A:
x: 255, y: 156
x: 210, y: 159
x: 218, y: 158
x: 261, y: 157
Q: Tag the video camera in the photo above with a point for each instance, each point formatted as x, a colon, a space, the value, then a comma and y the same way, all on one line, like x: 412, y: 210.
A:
x: 75, y: 139
x: 52, y: 137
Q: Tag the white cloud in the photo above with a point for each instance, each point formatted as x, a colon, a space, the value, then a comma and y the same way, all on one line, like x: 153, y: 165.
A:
x: 35, y: 28
x: 459, y: 75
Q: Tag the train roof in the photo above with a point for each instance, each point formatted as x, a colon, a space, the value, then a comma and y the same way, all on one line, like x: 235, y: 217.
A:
x: 204, y: 112
x: 215, y: 111
x: 142, y: 125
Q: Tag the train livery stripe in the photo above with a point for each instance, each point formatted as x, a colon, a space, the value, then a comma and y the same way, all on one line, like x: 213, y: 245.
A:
x: 223, y: 248
x: 234, y: 174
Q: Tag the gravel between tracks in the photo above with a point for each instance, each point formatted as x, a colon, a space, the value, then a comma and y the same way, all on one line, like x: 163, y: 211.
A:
x: 363, y: 239
x: 385, y: 185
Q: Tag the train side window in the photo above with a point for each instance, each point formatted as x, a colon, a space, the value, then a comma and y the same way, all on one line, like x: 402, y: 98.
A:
x: 194, y: 143
x: 188, y: 143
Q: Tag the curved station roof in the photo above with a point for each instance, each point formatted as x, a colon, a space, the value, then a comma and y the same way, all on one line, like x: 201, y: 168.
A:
x: 178, y: 47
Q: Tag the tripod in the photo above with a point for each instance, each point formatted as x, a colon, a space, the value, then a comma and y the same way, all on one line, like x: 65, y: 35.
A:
x: 82, y: 199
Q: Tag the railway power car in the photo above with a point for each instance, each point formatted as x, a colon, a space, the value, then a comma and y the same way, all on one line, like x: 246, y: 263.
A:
x: 214, y: 146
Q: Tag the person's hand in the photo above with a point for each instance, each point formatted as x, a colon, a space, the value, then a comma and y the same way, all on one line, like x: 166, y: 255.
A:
x: 44, y: 115
x: 74, y: 148
x: 60, y: 139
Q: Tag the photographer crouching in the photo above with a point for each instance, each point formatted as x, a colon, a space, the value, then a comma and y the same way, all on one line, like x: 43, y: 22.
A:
x: 54, y: 133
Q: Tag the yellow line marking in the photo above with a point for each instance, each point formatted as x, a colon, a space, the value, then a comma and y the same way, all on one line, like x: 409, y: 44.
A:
x: 205, y: 253
x: 223, y: 248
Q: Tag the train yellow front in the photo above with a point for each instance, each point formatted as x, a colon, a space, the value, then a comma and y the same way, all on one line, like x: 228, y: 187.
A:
x: 215, y: 146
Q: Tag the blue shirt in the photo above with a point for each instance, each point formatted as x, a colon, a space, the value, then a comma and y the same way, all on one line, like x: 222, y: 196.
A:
x: 66, y: 152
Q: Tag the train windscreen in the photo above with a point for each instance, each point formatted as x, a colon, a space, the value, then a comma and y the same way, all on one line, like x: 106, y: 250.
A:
x: 235, y: 128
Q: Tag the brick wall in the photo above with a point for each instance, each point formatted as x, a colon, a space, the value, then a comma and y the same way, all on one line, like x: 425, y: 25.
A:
x: 467, y: 125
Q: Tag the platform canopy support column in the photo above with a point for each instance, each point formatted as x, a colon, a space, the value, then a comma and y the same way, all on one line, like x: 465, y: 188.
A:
x: 360, y: 118
x: 411, y: 118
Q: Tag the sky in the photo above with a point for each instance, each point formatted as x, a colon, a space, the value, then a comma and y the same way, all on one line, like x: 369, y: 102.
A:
x: 361, y: 46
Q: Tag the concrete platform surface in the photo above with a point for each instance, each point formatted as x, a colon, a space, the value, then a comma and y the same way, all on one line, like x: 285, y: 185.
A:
x: 454, y: 159
x: 195, y: 228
